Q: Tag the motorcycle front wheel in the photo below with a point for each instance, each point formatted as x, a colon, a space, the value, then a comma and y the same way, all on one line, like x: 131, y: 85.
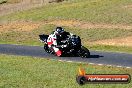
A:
x: 47, y: 49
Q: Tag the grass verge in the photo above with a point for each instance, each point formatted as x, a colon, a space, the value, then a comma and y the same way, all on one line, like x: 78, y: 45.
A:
x: 31, y: 72
x: 110, y: 48
x: 95, y: 11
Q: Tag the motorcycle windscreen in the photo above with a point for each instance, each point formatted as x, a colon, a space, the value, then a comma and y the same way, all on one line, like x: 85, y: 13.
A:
x: 43, y: 37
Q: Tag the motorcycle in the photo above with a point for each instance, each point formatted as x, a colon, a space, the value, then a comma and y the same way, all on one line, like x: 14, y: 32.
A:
x: 71, y: 46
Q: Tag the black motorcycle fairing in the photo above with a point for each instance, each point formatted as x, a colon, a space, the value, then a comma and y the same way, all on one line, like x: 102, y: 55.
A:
x: 62, y: 37
x: 75, y: 42
x: 43, y: 37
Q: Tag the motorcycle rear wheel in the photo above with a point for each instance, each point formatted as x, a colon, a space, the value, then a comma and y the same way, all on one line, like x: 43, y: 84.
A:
x: 84, y: 52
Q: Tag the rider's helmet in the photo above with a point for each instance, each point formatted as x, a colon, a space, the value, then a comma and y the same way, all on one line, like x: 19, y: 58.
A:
x: 59, y: 30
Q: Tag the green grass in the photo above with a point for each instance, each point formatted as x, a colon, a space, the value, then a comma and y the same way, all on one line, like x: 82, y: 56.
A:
x: 29, y: 72
x: 95, y: 11
x: 3, y: 1
x: 110, y: 48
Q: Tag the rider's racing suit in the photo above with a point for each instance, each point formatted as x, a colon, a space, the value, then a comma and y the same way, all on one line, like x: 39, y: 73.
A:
x: 53, y: 41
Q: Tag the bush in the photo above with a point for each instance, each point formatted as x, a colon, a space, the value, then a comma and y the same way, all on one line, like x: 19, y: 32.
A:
x: 3, y: 1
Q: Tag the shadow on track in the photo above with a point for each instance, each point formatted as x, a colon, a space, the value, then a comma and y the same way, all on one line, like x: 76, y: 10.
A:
x: 95, y: 56
x: 91, y: 56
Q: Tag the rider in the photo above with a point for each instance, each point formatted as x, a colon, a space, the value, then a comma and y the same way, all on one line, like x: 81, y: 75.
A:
x: 55, y: 38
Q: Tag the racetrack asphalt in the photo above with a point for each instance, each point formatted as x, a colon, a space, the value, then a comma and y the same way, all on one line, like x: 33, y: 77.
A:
x: 97, y: 57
